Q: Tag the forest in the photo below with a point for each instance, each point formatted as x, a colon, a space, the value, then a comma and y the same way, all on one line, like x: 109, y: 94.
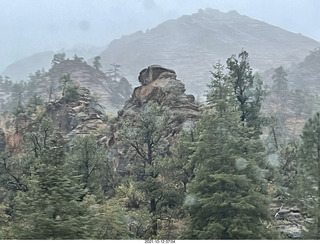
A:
x: 227, y: 175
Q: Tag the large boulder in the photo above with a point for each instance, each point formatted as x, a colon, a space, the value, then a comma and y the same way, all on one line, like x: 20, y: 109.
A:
x: 161, y: 85
x: 153, y: 72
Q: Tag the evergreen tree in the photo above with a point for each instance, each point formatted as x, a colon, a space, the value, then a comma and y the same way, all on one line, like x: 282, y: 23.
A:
x: 92, y: 161
x: 146, y: 138
x: 227, y: 198
x: 180, y: 168
x: 58, y: 58
x: 309, y: 176
x: 52, y: 206
x: 96, y: 63
x: 69, y: 88
x: 279, y: 77
x: 34, y: 103
x: 78, y: 59
x: 248, y: 91
x: 113, y: 73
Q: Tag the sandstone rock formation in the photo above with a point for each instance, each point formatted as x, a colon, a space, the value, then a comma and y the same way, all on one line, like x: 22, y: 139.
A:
x: 158, y: 84
x: 81, y: 117
x: 111, y: 94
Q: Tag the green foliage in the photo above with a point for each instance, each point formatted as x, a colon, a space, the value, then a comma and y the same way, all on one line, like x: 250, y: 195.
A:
x: 220, y: 95
x: 52, y: 206
x: 113, y: 222
x: 179, y: 167
x: 248, y: 90
x: 34, y: 104
x: 146, y: 139
x: 96, y: 62
x: 287, y: 170
x: 113, y: 73
x: 92, y: 161
x: 69, y: 88
x: 78, y: 59
x: 309, y: 176
x: 71, y: 92
x: 229, y: 188
x: 58, y: 58
x: 279, y: 77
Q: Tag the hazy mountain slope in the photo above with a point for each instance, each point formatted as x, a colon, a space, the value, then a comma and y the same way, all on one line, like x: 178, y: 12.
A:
x: 20, y: 69
x: 191, y: 44
x: 306, y: 75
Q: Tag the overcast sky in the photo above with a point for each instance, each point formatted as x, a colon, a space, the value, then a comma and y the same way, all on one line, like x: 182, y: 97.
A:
x: 30, y: 26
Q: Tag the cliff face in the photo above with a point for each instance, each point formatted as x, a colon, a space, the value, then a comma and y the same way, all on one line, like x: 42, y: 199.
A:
x: 191, y: 44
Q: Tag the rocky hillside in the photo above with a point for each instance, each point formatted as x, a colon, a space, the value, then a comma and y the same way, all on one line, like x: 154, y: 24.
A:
x: 191, y: 44
x: 21, y: 69
x: 300, y: 101
x: 306, y: 75
x: 80, y: 117
x: 110, y: 93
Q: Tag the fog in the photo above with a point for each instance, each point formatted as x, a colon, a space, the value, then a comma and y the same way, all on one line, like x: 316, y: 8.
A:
x: 30, y: 26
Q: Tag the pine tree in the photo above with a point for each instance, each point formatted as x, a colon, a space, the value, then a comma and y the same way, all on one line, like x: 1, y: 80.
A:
x: 58, y: 58
x: 309, y: 176
x: 227, y: 197
x: 52, y: 206
x: 248, y: 91
x: 279, y: 77
x: 96, y: 62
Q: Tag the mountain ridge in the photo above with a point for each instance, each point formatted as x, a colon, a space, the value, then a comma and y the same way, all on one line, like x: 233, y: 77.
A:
x: 191, y: 44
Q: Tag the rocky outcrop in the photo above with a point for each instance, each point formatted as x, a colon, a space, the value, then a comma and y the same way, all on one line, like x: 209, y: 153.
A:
x: 81, y: 117
x: 160, y: 85
x: 111, y: 94
x: 287, y: 220
x: 110, y: 91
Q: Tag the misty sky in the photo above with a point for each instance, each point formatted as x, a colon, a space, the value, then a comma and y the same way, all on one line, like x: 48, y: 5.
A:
x: 30, y: 26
